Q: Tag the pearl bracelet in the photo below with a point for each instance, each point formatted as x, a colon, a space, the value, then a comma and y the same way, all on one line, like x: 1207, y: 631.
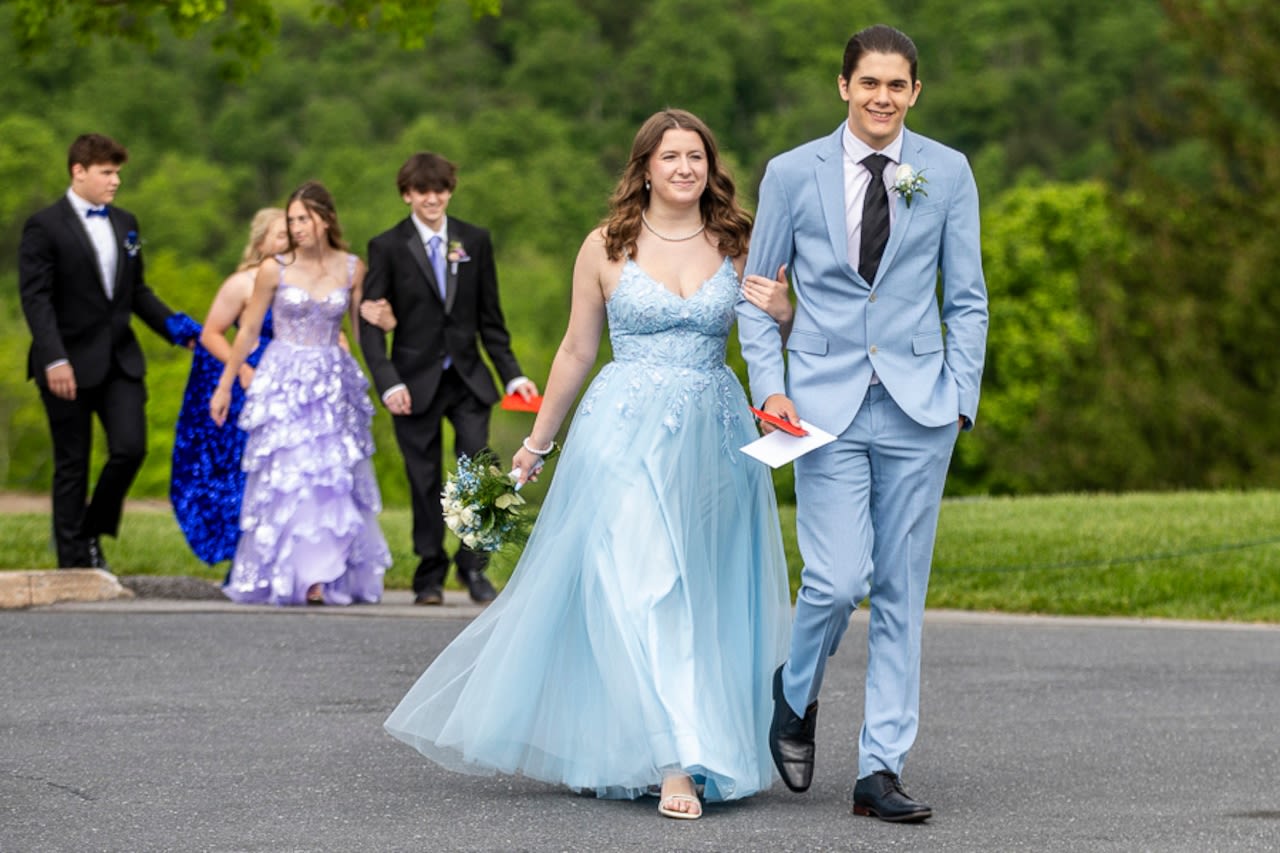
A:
x: 524, y: 442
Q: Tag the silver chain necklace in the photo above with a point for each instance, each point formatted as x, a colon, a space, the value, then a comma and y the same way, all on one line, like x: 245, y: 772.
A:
x: 661, y: 236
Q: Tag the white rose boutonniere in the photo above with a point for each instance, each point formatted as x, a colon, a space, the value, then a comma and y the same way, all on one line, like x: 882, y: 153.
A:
x: 907, y: 182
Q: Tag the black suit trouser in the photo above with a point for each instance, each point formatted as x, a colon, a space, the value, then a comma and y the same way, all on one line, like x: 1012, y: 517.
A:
x: 120, y: 405
x: 421, y: 445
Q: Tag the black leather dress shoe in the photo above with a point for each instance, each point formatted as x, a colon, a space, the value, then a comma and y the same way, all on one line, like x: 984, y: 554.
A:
x: 482, y: 592
x: 96, y: 559
x: 791, y: 739
x: 431, y: 596
x: 881, y: 795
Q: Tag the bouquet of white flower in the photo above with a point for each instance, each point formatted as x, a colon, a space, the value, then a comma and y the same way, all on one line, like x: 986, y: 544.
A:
x: 481, y: 505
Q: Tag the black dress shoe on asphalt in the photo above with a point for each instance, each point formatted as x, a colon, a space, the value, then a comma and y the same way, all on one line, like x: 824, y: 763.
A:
x: 433, y: 597
x: 96, y: 559
x: 881, y: 795
x: 791, y: 739
x: 482, y: 592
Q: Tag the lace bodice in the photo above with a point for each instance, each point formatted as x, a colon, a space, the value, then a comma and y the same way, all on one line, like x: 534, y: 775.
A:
x: 649, y: 324
x: 306, y: 322
x: 668, y: 355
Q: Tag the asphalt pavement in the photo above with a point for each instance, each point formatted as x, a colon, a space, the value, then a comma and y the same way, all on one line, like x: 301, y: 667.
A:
x: 160, y: 725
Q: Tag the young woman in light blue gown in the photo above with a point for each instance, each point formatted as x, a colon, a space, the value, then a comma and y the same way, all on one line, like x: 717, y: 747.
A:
x: 633, y: 648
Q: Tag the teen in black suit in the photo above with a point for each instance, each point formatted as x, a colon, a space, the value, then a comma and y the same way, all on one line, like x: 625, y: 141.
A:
x: 438, y: 276
x: 81, y: 280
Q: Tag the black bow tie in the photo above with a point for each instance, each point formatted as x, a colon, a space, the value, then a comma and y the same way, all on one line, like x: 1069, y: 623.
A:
x: 96, y: 211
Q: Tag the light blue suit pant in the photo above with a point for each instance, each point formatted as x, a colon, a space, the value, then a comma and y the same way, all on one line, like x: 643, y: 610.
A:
x: 866, y: 515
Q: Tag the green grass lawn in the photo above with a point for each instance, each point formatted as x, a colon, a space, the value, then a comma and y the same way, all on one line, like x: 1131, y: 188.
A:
x: 1190, y: 555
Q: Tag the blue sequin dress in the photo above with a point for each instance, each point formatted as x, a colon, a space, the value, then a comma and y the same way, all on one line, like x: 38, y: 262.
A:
x: 311, y: 502
x: 206, y: 481
x: 649, y: 609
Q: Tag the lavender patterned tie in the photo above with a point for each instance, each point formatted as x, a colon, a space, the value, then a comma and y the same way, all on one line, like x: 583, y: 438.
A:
x: 435, y: 251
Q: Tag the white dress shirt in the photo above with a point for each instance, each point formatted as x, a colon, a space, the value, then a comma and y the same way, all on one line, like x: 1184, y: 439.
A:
x: 103, y: 238
x: 426, y: 233
x: 856, y: 181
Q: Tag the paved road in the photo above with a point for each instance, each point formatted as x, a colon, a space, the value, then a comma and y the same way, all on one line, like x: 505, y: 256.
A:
x: 158, y: 726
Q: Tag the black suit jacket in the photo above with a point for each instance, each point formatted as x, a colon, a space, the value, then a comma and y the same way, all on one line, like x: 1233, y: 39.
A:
x: 428, y: 327
x: 66, y: 304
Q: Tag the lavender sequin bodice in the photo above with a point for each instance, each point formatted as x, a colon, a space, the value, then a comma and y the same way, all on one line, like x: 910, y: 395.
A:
x: 306, y: 322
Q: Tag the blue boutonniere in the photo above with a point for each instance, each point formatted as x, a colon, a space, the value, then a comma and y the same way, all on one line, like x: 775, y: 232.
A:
x: 132, y: 244
x: 907, y: 182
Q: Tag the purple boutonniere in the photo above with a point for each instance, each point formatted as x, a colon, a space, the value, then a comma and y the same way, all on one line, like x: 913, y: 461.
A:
x: 132, y: 244
x: 457, y: 255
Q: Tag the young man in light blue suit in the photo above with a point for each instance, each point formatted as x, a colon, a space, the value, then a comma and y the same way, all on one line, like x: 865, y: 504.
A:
x: 886, y: 352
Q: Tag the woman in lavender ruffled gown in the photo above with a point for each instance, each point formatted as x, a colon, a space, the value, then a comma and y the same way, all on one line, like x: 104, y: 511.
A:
x: 308, y: 521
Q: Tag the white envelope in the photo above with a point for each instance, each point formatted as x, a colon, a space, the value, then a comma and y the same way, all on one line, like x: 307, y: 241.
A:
x: 778, y: 448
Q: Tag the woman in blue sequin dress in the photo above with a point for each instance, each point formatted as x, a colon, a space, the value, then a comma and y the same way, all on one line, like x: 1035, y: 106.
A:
x: 308, y: 520
x: 632, y: 650
x: 206, y: 481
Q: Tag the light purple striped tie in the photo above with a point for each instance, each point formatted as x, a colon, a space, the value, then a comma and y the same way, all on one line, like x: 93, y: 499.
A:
x: 435, y: 251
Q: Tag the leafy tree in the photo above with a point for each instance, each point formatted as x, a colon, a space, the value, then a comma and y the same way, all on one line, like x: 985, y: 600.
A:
x: 245, y: 27
x: 27, y: 147
x: 1049, y: 255
x: 1133, y: 319
x: 1203, y: 204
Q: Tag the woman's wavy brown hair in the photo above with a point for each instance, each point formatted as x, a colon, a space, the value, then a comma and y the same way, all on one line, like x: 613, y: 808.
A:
x: 725, y: 218
x: 319, y: 201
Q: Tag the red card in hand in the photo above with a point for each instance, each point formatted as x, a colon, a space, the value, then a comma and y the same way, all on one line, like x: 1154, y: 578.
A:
x: 516, y: 403
x: 784, y: 425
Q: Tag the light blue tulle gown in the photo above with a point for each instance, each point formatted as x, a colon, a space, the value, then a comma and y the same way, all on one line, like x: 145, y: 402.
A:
x: 311, y: 503
x: 649, y: 609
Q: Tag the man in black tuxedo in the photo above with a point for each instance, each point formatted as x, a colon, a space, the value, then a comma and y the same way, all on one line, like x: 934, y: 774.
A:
x: 81, y: 279
x: 437, y: 274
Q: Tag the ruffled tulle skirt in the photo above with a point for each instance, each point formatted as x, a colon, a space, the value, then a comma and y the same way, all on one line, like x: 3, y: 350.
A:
x: 309, y: 513
x: 645, y: 618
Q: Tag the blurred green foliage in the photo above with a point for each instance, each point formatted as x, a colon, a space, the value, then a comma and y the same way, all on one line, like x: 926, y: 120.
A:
x: 1126, y: 155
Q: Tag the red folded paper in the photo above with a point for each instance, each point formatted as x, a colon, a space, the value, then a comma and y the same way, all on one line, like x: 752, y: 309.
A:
x: 516, y: 403
x: 782, y: 424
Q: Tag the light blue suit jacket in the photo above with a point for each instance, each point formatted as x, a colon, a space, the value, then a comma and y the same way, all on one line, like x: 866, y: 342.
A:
x: 921, y: 326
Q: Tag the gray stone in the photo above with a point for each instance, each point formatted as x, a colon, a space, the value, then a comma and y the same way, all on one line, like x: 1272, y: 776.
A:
x: 177, y: 587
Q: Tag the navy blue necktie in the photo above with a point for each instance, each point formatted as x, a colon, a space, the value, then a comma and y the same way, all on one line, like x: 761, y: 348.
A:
x: 875, y: 218
x: 96, y: 211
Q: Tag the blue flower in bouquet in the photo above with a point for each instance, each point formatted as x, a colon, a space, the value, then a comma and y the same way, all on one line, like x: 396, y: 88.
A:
x: 481, y: 505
